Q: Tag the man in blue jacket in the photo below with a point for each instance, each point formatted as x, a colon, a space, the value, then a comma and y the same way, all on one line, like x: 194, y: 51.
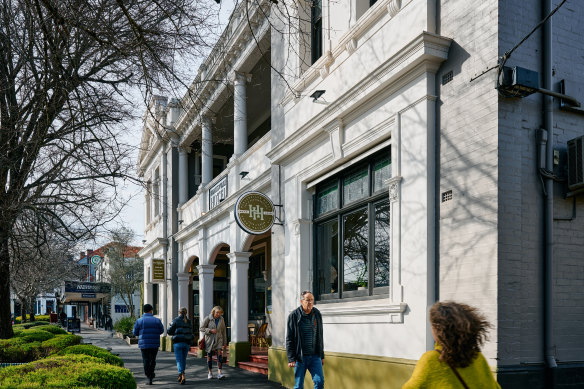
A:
x: 149, y: 329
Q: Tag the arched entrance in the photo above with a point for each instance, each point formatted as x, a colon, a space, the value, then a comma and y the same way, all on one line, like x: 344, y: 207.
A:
x: 221, y: 284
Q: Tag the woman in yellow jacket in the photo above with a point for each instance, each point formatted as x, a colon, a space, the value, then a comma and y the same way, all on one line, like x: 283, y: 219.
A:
x: 456, y: 362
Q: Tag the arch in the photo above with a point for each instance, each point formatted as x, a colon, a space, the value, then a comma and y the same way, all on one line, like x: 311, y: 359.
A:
x: 189, y: 262
x: 216, y: 250
x: 249, y: 238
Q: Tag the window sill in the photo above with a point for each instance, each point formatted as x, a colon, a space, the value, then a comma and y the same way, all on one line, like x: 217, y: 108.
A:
x: 361, y: 310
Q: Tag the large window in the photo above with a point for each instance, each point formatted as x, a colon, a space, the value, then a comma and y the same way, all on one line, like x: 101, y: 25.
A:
x: 351, y: 215
x: 316, y: 29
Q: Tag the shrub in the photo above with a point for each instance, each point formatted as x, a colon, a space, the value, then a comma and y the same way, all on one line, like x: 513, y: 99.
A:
x: 34, y: 335
x: 94, y: 351
x: 52, y: 329
x: 67, y: 371
x: 15, y: 350
x: 45, y: 318
x: 125, y: 325
x: 61, y: 342
x: 30, y: 324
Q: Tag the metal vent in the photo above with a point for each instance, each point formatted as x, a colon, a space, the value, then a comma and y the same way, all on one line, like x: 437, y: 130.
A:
x: 576, y: 163
x: 446, y: 78
x: 446, y: 196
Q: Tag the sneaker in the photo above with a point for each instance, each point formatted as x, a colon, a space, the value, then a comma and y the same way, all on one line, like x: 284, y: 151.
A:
x: 220, y: 376
x: 209, y: 376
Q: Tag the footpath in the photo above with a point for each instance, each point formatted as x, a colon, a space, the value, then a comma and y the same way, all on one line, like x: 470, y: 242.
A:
x: 166, y: 372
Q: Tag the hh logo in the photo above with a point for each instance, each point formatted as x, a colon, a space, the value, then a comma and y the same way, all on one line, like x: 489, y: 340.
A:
x: 256, y: 212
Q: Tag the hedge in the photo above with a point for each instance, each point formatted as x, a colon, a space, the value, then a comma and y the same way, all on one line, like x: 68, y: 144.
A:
x: 94, y: 351
x: 34, y: 335
x: 125, y: 325
x: 67, y: 371
x: 30, y: 324
x: 45, y: 318
x: 61, y: 342
x: 56, y: 330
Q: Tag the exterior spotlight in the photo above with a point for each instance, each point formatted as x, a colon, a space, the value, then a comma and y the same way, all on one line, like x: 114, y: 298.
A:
x: 144, y: 241
x: 316, y: 94
x: 180, y: 221
x: 243, y: 174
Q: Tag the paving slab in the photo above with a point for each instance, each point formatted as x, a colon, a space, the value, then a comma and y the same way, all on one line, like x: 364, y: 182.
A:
x: 166, y: 371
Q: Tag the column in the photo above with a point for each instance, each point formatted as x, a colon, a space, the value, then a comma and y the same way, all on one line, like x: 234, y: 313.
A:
x: 183, y: 175
x: 239, y: 114
x: 206, y: 274
x: 183, y: 289
x: 239, y: 348
x: 207, y: 151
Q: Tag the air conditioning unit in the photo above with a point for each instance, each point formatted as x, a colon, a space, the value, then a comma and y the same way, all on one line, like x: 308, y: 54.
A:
x: 576, y: 163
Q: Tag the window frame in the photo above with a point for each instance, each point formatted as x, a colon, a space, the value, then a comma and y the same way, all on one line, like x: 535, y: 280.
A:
x: 369, y: 203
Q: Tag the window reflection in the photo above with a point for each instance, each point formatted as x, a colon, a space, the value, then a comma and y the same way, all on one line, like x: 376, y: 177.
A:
x: 355, y: 246
x: 381, y: 270
x: 327, y: 250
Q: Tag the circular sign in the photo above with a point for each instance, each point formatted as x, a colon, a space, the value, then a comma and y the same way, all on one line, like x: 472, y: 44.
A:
x: 254, y: 212
x: 95, y: 259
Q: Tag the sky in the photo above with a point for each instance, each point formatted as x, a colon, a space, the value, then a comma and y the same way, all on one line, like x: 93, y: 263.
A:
x: 132, y: 216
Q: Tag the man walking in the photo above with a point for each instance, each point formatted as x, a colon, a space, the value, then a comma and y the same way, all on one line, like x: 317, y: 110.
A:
x: 304, y: 342
x: 149, y: 329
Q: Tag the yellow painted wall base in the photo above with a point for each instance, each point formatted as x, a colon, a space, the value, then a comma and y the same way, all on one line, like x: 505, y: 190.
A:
x: 345, y: 371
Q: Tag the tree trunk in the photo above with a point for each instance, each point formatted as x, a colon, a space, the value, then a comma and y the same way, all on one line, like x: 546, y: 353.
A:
x: 23, y: 309
x: 32, y: 307
x: 5, y: 313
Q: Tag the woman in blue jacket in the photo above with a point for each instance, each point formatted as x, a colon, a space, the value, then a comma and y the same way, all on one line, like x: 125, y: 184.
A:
x: 182, y: 337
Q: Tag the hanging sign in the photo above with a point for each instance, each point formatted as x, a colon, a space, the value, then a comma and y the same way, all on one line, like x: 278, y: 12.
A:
x: 95, y: 259
x: 254, y: 212
x: 158, y: 270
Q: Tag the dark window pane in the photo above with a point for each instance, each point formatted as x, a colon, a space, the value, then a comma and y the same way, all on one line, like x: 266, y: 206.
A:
x: 327, y: 239
x: 381, y: 244
x: 381, y: 173
x: 327, y: 199
x: 356, y: 186
x: 316, y: 30
x: 355, y: 246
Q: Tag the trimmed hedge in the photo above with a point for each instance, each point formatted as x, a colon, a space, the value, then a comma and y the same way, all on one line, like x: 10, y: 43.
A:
x: 34, y: 335
x: 94, y: 351
x: 56, y: 330
x: 125, y: 325
x: 69, y: 371
x: 30, y: 324
x: 45, y: 318
x: 61, y: 342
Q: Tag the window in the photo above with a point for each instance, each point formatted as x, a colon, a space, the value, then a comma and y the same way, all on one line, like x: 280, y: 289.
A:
x: 316, y: 30
x: 155, y: 299
x: 351, y: 218
x: 156, y: 192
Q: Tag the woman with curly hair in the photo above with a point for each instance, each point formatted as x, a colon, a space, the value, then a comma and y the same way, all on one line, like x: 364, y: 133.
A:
x: 456, y: 361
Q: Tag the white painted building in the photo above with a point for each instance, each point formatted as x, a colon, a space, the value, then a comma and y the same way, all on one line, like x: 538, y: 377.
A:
x: 408, y: 178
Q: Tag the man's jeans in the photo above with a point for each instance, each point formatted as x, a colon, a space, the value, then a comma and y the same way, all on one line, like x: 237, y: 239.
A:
x: 314, y: 365
x: 180, y: 353
x: 149, y: 360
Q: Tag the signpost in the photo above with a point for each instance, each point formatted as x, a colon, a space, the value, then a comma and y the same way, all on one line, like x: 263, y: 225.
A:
x: 158, y: 270
x: 254, y: 213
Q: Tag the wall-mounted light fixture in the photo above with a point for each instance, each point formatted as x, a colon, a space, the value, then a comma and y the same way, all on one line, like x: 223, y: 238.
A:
x: 180, y: 221
x: 143, y: 241
x: 316, y: 94
x: 243, y: 174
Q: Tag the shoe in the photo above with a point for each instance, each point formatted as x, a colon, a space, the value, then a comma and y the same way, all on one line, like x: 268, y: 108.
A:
x: 150, y: 381
x: 209, y: 376
x: 179, y: 377
x: 220, y: 376
x: 182, y: 380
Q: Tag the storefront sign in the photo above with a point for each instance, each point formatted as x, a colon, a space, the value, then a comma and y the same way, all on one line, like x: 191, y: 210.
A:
x: 88, y: 295
x: 86, y: 287
x: 157, y: 270
x: 218, y: 193
x: 254, y: 213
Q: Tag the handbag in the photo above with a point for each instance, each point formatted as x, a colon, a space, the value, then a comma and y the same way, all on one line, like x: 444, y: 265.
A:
x: 201, y: 343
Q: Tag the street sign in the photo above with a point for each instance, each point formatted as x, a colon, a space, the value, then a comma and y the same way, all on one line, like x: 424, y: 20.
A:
x: 95, y: 259
x: 158, y: 270
x: 254, y: 213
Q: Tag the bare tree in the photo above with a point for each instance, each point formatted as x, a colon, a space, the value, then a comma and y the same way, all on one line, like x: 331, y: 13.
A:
x: 124, y: 269
x: 65, y: 70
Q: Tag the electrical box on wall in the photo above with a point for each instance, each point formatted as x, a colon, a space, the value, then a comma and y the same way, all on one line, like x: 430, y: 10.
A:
x: 576, y: 163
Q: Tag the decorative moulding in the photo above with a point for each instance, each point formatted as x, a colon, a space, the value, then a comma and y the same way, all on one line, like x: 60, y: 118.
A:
x: 393, y: 7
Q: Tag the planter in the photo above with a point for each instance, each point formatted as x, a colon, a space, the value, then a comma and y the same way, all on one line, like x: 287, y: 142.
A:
x: 119, y: 335
x: 131, y: 340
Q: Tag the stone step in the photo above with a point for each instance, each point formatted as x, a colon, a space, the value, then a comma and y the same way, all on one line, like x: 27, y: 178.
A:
x: 258, y: 358
x: 261, y: 368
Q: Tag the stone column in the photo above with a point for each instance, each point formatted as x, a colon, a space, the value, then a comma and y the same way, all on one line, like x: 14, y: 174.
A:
x: 206, y: 273
x: 207, y: 151
x: 183, y: 289
x: 183, y: 175
x: 239, y: 348
x: 240, y: 113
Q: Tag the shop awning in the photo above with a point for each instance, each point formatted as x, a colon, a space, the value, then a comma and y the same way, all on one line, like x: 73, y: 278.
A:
x: 77, y: 291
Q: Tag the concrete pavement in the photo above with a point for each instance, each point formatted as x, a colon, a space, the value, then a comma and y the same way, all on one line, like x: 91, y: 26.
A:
x: 166, y: 372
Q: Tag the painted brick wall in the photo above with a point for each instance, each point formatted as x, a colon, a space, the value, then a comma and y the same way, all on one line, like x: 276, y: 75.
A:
x: 467, y: 162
